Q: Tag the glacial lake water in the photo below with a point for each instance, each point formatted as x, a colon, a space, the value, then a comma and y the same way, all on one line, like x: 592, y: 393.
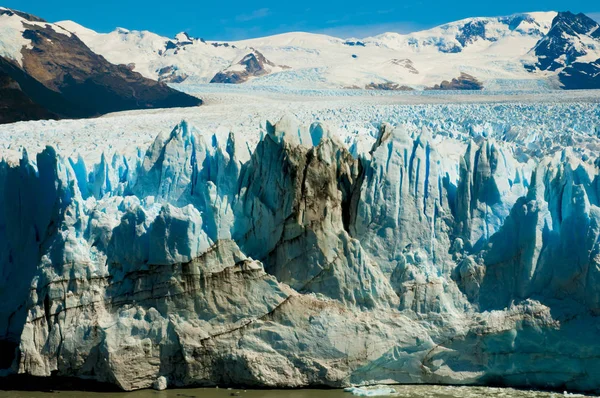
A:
x: 402, y: 391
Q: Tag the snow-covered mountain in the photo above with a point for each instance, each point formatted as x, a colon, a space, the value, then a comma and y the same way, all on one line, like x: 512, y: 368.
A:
x: 571, y: 49
x: 520, y: 51
x: 572, y: 38
x: 493, y: 50
x: 49, y: 72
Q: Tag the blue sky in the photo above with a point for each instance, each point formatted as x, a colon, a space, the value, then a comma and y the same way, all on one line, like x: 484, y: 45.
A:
x: 235, y: 19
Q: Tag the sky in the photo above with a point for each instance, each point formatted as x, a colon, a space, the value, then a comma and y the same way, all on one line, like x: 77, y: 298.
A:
x: 235, y: 19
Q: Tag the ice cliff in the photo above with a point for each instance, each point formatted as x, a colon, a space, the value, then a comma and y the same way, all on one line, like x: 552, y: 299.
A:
x: 300, y: 262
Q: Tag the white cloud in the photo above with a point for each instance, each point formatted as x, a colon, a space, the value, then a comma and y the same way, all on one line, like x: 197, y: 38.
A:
x: 256, y: 14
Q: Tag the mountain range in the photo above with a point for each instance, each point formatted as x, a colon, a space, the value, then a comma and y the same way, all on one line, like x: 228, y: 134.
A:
x: 62, y: 69
x: 531, y: 50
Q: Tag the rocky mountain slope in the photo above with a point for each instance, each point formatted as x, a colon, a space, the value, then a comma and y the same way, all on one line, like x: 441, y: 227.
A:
x: 520, y: 51
x: 581, y: 75
x: 59, y: 73
x: 15, y: 105
x: 253, y: 64
x: 463, y: 82
x: 300, y: 262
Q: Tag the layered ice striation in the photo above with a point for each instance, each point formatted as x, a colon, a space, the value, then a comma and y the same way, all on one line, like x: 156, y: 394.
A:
x: 300, y: 262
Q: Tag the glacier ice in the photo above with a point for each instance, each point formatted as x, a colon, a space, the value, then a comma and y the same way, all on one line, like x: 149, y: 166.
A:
x: 303, y: 262
x: 374, y: 391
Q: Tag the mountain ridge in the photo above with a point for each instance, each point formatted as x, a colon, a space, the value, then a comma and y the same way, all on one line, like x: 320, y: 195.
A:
x: 495, y: 50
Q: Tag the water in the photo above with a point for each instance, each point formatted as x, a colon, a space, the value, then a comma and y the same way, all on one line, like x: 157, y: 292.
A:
x: 402, y: 391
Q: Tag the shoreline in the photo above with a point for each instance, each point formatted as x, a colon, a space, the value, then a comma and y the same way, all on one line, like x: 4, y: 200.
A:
x: 61, y: 384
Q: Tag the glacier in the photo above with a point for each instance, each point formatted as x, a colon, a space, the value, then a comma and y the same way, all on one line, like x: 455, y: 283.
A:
x: 302, y: 260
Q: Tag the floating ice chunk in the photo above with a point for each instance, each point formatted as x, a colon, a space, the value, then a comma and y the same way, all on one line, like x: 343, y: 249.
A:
x: 373, y: 391
x: 160, y: 383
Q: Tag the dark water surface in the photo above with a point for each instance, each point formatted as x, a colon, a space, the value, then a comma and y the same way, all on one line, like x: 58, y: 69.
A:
x: 401, y: 391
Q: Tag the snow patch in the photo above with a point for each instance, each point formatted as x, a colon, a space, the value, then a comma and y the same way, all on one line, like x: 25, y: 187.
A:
x: 11, y: 37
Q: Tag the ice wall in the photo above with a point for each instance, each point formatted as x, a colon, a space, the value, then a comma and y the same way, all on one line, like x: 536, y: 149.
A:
x: 301, y: 263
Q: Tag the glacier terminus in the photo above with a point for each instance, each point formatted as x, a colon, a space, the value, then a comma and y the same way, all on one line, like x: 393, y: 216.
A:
x: 335, y: 246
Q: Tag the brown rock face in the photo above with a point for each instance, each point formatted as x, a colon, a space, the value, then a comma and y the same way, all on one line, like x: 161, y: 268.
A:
x: 463, y: 82
x: 388, y: 86
x: 168, y: 75
x: 254, y: 65
x: 24, y: 15
x: 406, y: 64
x: 16, y: 106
